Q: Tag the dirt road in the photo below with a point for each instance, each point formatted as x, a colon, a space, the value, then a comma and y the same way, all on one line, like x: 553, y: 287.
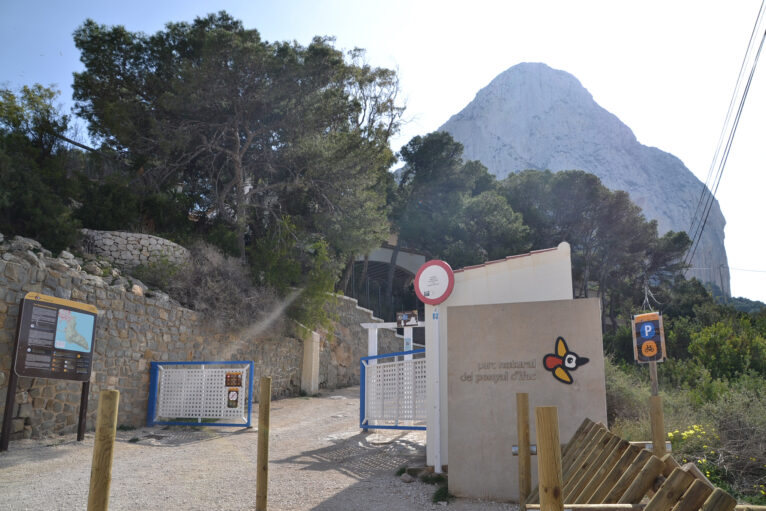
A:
x: 319, y: 460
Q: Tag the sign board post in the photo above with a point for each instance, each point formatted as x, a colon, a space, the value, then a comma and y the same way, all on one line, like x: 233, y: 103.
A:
x: 433, y: 285
x: 54, y: 339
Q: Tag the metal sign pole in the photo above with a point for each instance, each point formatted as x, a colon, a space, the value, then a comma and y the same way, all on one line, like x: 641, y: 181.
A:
x: 437, y: 399
x: 433, y: 285
x: 10, y: 402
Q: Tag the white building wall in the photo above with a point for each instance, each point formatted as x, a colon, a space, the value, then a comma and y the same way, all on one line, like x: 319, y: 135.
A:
x: 543, y: 275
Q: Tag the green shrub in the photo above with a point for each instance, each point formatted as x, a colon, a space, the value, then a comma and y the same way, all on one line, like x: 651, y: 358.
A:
x: 730, y: 348
x: 297, y: 267
x: 620, y: 344
x: 626, y: 394
x: 432, y: 478
x: 720, y: 425
x: 442, y: 494
x: 159, y: 273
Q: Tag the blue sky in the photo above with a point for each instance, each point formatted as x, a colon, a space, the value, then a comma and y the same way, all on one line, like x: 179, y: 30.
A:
x: 666, y: 69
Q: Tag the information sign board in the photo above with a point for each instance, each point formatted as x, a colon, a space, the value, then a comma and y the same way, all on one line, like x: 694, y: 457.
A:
x: 648, y: 338
x: 55, y: 338
x: 407, y: 318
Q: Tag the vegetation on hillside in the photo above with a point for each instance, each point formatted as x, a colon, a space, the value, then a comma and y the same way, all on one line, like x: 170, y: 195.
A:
x: 713, y: 386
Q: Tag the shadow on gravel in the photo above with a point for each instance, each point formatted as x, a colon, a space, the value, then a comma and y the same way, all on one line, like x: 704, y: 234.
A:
x: 175, y: 436
x: 359, y: 458
x: 18, y: 453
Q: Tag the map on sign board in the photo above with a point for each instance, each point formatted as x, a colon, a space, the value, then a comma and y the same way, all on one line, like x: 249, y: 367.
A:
x: 74, y: 331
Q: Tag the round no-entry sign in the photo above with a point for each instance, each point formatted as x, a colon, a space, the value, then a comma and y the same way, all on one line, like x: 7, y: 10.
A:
x: 434, y: 282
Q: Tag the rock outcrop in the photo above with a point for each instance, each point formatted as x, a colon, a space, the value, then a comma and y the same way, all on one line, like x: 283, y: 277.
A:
x: 535, y: 117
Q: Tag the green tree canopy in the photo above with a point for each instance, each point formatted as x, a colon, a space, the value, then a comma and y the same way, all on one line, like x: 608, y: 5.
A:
x: 36, y: 189
x: 616, y: 253
x: 255, y: 131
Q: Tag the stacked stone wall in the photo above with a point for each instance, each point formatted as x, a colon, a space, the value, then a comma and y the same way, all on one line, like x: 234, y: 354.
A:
x: 339, y: 358
x: 132, y: 331
x: 128, y: 249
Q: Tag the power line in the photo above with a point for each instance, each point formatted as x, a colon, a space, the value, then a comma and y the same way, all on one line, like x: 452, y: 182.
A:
x: 732, y: 128
x: 706, y: 187
x: 728, y: 268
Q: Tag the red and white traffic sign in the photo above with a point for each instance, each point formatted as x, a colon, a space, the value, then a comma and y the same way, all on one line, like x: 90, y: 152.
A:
x: 434, y: 282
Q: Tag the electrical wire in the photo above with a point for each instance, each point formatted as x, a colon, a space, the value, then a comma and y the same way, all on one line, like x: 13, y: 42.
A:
x: 727, y: 149
x: 704, y: 193
x: 697, y: 235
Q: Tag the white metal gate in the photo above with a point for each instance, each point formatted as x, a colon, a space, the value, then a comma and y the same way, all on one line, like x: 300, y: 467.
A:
x: 393, y: 391
x: 189, y: 393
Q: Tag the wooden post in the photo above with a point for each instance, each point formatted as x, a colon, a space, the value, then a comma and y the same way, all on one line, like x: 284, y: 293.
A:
x: 549, y: 459
x: 525, y: 458
x: 10, y: 405
x: 262, y: 461
x: 83, y: 411
x: 103, y: 450
x: 10, y: 397
x: 658, y: 426
x: 653, y: 378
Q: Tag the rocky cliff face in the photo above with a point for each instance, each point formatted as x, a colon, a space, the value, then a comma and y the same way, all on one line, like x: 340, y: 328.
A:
x: 535, y: 117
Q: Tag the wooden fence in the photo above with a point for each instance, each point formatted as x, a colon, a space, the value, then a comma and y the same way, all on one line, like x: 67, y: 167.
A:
x: 602, y: 472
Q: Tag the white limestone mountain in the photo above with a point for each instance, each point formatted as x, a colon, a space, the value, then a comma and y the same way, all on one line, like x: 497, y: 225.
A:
x: 535, y: 117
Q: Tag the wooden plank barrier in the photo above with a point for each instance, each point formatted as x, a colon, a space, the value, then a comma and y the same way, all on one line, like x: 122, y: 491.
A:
x: 602, y: 472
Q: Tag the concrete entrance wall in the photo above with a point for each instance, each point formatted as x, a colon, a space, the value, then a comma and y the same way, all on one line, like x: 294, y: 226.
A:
x: 543, y: 275
x: 496, y: 351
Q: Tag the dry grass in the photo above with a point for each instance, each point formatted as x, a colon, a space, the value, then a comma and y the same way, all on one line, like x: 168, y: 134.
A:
x: 219, y: 287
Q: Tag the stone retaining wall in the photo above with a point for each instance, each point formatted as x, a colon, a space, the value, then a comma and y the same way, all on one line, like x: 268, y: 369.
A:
x: 129, y: 249
x: 339, y: 358
x: 134, y: 330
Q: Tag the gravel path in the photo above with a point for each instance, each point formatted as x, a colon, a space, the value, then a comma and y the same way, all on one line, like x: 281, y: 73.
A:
x: 319, y: 460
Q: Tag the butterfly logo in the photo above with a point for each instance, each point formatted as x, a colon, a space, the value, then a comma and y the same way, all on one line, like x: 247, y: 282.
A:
x: 563, y: 361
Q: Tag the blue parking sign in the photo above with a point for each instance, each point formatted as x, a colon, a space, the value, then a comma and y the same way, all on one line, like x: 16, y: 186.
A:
x: 648, y: 338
